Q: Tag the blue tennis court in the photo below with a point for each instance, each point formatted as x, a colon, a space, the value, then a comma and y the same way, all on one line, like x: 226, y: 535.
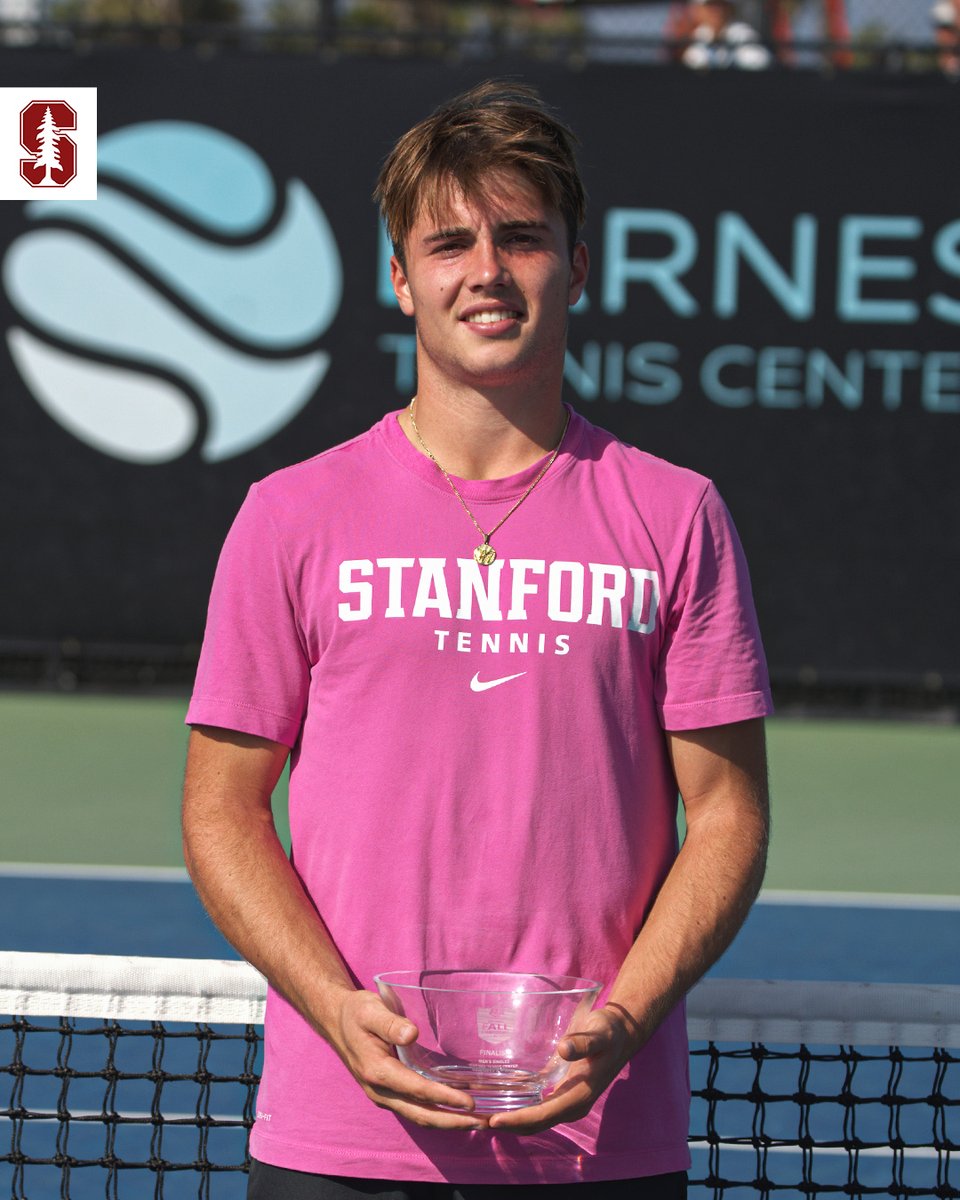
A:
x: 789, y: 935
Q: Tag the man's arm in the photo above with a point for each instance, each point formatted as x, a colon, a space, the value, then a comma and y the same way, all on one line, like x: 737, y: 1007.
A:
x: 249, y: 888
x: 722, y: 776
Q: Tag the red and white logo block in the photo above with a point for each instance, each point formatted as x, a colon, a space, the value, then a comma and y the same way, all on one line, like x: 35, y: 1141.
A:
x: 48, y: 143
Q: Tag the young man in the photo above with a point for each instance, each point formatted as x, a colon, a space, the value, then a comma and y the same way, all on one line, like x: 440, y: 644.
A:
x: 497, y: 641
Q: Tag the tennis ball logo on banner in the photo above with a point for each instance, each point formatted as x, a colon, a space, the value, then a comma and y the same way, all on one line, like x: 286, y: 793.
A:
x: 183, y: 308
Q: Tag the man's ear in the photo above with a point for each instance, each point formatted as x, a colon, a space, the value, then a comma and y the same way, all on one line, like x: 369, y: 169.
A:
x: 580, y: 268
x: 401, y: 286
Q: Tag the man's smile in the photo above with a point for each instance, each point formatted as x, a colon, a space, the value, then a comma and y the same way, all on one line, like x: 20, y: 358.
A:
x: 490, y: 315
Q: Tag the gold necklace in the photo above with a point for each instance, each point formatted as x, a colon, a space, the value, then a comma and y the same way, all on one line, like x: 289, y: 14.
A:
x: 485, y: 553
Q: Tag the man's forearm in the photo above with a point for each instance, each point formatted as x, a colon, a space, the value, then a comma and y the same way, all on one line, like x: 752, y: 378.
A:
x: 243, y: 876
x: 714, y: 881
x: 696, y: 916
x: 254, y: 896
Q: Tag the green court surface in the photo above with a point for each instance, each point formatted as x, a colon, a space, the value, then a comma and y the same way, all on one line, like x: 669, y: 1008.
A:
x: 858, y: 806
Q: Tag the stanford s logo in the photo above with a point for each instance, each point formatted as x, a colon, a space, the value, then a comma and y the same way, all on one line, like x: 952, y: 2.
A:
x: 53, y: 155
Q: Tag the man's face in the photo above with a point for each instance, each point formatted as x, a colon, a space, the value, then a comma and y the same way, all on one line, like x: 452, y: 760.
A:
x: 489, y: 282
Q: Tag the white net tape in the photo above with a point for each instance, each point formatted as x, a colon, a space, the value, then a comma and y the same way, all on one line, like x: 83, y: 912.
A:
x: 135, y: 989
x: 231, y: 992
x: 788, y: 1012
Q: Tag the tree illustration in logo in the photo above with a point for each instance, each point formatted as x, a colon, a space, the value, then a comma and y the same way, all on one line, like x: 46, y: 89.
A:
x: 48, y: 139
x: 42, y: 135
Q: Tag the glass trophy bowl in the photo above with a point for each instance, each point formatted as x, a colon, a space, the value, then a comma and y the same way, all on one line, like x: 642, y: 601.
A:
x: 493, y: 1034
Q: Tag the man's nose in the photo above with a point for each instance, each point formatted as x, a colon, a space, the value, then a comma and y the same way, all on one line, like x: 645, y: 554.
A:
x: 488, y: 265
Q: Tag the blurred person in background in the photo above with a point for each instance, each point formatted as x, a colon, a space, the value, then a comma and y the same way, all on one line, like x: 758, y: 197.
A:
x: 719, y: 40
x: 945, y: 15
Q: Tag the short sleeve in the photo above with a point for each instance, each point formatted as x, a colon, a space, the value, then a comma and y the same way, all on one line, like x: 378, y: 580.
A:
x: 254, y: 674
x: 712, y: 669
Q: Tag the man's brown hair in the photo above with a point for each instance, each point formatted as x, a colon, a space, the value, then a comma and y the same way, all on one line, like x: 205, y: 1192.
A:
x: 495, y: 126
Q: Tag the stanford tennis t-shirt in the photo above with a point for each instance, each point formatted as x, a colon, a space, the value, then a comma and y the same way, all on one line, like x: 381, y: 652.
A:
x: 478, y: 770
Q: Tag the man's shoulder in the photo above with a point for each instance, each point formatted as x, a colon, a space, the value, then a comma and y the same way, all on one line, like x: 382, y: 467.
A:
x: 328, y: 470
x: 641, y: 467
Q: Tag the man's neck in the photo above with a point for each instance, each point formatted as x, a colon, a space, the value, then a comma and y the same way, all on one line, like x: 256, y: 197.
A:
x: 491, y: 435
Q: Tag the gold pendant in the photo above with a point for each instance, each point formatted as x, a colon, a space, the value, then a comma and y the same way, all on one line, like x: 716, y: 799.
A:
x: 485, y: 554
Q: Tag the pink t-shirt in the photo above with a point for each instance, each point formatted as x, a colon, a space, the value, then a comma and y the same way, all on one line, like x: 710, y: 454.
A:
x: 438, y: 822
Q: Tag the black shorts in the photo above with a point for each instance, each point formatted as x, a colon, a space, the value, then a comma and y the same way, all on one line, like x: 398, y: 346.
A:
x: 277, y: 1183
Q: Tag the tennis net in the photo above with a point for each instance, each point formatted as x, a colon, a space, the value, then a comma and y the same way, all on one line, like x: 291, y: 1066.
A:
x: 136, y: 1077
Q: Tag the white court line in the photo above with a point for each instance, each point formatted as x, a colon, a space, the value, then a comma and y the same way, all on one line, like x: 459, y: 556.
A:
x: 696, y: 1143
x: 909, y: 1152
x: 859, y: 899
x: 772, y: 896
x: 188, y: 1119
x: 84, y: 871
x: 83, y: 1114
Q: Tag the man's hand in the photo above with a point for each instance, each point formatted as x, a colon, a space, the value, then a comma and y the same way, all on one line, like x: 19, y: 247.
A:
x: 597, y: 1052
x: 363, y: 1035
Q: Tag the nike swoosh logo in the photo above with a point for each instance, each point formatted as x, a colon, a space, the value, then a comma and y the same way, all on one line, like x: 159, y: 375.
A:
x: 477, y: 686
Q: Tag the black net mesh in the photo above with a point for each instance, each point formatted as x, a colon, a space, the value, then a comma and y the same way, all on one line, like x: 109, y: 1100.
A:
x: 135, y: 1109
x: 813, y: 1121
x: 149, y: 1097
